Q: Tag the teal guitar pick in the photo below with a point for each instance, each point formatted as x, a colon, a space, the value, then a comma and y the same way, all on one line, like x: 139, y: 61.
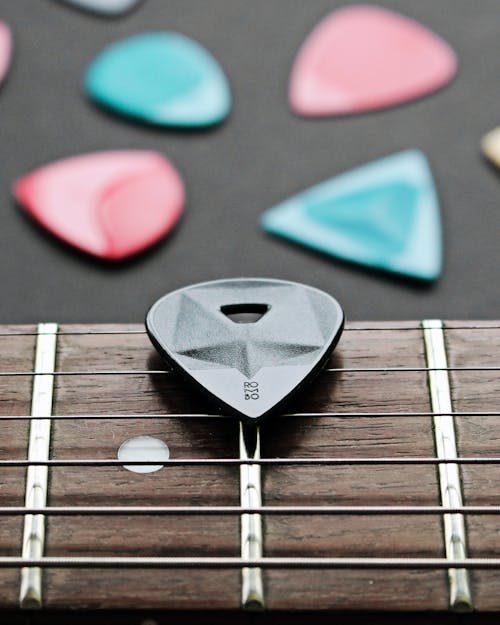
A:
x: 103, y: 7
x: 383, y: 215
x: 161, y: 78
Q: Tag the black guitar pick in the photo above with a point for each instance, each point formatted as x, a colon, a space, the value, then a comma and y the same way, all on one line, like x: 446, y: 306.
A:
x: 248, y: 343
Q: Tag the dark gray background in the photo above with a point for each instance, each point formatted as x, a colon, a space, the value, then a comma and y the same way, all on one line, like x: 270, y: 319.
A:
x: 260, y: 156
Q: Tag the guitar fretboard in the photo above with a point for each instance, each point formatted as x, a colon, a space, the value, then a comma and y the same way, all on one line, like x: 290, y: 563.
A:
x: 378, y: 490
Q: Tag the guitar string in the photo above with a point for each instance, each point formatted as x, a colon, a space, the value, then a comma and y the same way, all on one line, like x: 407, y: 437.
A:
x: 234, y: 562
x: 295, y: 415
x: 236, y: 462
x: 347, y: 329
x: 327, y: 370
x: 238, y: 511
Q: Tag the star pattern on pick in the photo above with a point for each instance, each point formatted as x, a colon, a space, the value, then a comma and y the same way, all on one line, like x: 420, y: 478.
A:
x: 246, y: 355
x: 210, y: 339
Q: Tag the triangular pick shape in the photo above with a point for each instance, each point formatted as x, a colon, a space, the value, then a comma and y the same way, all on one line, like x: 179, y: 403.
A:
x: 384, y: 215
x: 490, y: 145
x: 109, y: 204
x: 161, y: 78
x: 249, y: 369
x: 104, y: 7
x: 362, y: 57
x: 5, y: 49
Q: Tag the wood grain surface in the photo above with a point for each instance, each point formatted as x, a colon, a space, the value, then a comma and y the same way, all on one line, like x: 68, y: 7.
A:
x: 16, y: 355
x: 479, y: 436
x: 288, y: 436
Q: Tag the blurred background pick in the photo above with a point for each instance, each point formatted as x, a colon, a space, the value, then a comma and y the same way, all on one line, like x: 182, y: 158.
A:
x: 161, y: 78
x: 383, y: 215
x: 108, y: 204
x: 5, y: 50
x: 363, y: 57
x: 490, y: 145
x: 104, y: 7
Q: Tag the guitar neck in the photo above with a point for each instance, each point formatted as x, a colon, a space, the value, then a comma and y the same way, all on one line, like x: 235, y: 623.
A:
x: 364, y: 434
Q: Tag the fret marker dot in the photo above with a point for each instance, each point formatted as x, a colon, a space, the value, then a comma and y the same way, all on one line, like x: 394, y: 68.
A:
x: 145, y: 448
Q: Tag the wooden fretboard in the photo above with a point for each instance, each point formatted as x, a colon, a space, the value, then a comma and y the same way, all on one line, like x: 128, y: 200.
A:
x: 361, y: 423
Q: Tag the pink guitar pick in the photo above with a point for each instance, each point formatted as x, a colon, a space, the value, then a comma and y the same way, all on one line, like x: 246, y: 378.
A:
x: 363, y: 57
x: 109, y: 204
x: 5, y: 49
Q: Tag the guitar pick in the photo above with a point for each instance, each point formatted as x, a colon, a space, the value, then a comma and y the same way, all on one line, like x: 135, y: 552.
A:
x: 490, y: 145
x: 384, y: 215
x: 105, y: 7
x: 160, y: 78
x: 247, y: 343
x: 109, y: 204
x: 363, y: 57
x: 5, y: 49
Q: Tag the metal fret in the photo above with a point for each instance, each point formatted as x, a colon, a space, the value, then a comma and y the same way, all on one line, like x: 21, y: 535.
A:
x: 252, y: 587
x: 449, y: 475
x: 30, y: 596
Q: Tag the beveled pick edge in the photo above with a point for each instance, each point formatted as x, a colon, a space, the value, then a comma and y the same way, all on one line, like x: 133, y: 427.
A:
x: 48, y: 231
x: 222, y: 406
x: 429, y: 277
x: 106, y: 104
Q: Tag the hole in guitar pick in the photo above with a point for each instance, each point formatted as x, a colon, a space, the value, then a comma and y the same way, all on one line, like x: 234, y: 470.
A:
x: 143, y: 448
x: 244, y: 313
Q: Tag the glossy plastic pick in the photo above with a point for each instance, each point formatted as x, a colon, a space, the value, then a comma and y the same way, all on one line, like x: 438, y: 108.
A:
x: 248, y: 343
x: 104, y: 7
x: 490, y: 145
x: 109, y: 204
x: 384, y: 215
x: 364, y: 57
x: 5, y: 50
x: 161, y: 78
